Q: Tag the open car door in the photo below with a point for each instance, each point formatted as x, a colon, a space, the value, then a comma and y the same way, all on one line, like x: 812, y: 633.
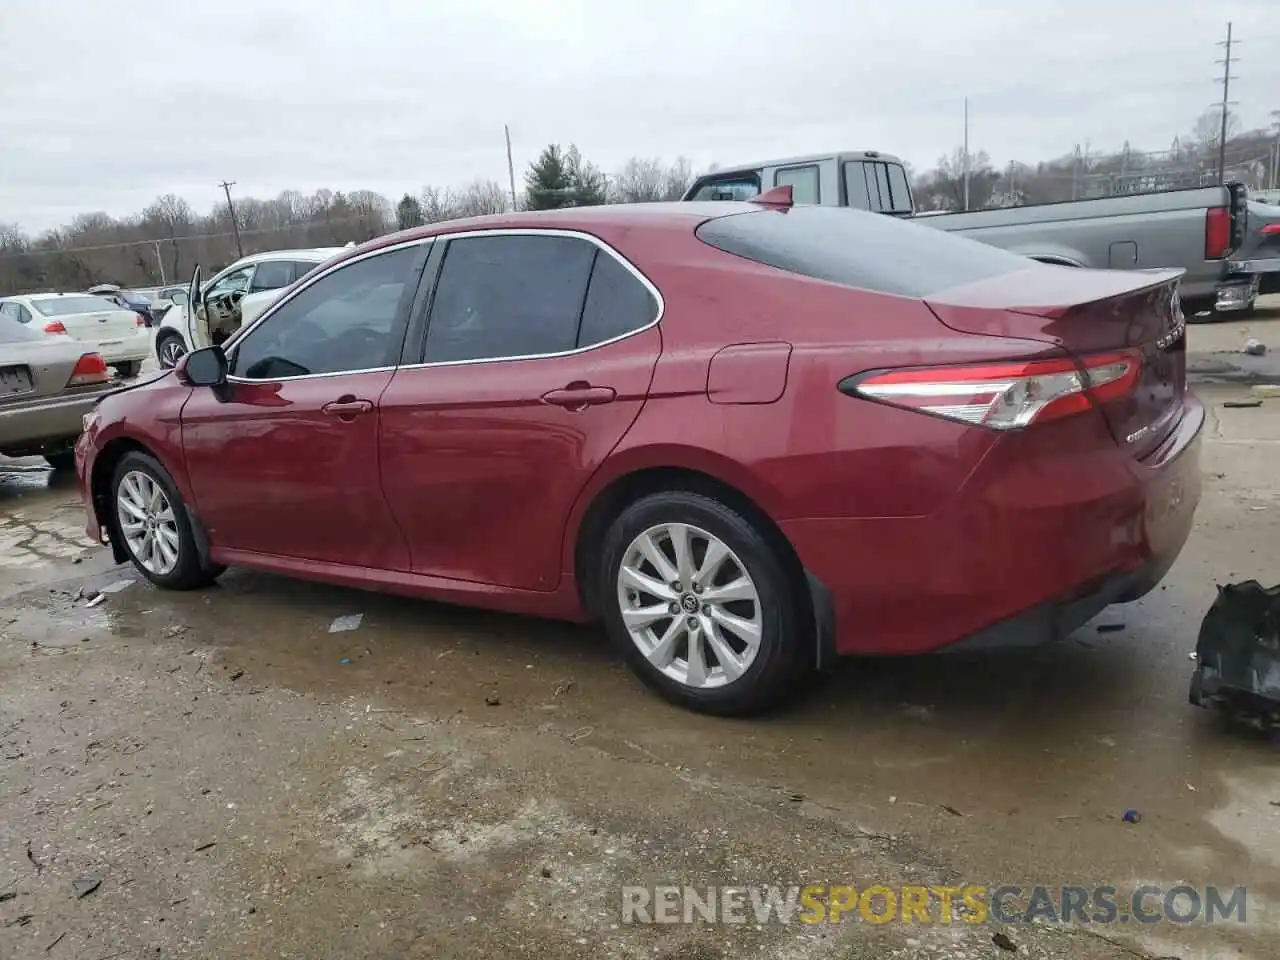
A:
x: 197, y: 321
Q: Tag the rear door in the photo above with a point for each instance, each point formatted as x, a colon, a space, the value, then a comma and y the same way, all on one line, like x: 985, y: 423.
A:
x: 537, y: 357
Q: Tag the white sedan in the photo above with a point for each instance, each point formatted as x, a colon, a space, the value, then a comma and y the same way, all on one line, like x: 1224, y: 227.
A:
x: 120, y: 336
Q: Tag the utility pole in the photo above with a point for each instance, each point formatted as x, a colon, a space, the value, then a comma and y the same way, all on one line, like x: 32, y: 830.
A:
x: 966, y: 153
x: 159, y: 260
x: 226, y: 186
x: 511, y: 168
x: 1275, y: 150
x: 1226, y: 102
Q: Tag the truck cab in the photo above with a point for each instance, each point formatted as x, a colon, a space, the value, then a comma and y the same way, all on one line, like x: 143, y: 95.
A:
x: 863, y: 179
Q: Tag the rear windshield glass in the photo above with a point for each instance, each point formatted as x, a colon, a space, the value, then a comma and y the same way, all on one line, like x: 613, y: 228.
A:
x: 67, y: 306
x: 873, y: 251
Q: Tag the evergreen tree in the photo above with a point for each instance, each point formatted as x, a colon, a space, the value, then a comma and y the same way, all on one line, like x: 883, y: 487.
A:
x: 585, y: 179
x: 548, y: 184
x: 409, y: 213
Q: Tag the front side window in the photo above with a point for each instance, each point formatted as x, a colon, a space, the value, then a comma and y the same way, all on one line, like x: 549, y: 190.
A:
x: 741, y: 186
x: 803, y: 182
x: 345, y: 322
x: 271, y: 275
x: 509, y: 296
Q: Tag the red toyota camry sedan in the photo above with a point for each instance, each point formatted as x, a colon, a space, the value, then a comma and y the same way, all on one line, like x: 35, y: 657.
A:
x: 748, y: 437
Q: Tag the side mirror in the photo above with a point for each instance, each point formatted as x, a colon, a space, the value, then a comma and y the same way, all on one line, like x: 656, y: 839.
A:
x: 206, y: 367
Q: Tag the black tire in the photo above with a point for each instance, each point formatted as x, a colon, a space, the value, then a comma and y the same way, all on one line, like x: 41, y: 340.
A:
x: 783, y: 657
x: 189, y: 573
x: 128, y: 369
x: 176, y: 342
x: 62, y: 460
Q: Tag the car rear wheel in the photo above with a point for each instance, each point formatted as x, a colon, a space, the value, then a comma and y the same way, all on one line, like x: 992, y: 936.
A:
x: 153, y: 525
x: 699, y: 601
x: 128, y: 369
x: 169, y: 348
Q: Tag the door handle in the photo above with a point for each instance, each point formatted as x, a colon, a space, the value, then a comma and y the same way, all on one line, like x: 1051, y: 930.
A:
x: 578, y: 396
x: 347, y: 407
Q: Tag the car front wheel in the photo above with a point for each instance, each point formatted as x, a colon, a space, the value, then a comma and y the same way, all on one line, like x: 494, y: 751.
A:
x: 699, y: 601
x: 169, y: 348
x: 154, y: 527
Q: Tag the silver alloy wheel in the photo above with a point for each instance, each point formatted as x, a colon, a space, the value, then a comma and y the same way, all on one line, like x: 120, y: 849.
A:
x: 170, y: 350
x: 690, y: 605
x: 148, y: 522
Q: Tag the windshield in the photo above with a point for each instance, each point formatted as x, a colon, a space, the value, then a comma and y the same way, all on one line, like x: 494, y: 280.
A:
x: 69, y: 306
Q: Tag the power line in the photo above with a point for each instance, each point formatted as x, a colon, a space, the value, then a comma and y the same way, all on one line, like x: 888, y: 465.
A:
x: 235, y: 227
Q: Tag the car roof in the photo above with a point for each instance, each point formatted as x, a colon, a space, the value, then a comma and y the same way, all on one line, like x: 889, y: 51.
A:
x: 607, y: 217
x: 317, y: 254
x: 839, y: 155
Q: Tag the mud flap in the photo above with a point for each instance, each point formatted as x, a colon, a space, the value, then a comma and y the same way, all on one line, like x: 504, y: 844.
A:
x: 1238, y: 654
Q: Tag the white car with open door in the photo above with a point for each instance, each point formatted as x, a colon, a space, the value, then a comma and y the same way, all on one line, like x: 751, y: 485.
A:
x: 235, y: 296
x: 121, y: 336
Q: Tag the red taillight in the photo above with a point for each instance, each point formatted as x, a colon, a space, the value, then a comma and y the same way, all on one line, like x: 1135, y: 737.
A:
x: 90, y: 368
x: 1271, y: 230
x: 54, y: 326
x: 1217, y: 233
x: 139, y: 320
x: 1004, y: 396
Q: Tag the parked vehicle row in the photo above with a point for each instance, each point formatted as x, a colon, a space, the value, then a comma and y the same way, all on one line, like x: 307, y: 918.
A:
x: 747, y: 436
x: 119, y: 334
x: 47, y: 385
x: 1203, y: 231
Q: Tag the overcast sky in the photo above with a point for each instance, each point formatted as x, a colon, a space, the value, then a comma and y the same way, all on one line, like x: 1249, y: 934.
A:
x: 104, y: 106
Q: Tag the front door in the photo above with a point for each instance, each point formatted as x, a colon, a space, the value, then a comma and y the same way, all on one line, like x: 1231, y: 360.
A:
x: 539, y: 352
x: 286, y: 461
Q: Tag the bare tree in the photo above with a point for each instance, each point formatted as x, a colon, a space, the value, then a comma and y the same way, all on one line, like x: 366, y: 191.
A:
x: 482, y: 197
x: 438, y: 205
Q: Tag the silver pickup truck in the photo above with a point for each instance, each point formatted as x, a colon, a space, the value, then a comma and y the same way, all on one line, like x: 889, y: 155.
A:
x: 1197, y: 229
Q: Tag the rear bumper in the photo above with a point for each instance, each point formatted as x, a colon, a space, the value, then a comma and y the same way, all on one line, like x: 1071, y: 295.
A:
x: 131, y: 348
x: 1263, y: 265
x: 1035, y: 544
x: 44, y: 424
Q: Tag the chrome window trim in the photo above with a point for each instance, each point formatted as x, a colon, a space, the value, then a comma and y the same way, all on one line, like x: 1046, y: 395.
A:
x: 279, y: 304
x: 493, y: 232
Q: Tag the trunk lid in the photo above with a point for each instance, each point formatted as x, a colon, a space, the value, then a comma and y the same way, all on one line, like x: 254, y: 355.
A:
x: 100, y: 325
x: 1137, y: 312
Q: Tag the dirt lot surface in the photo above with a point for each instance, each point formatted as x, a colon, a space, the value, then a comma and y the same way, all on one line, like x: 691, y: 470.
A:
x: 240, y: 782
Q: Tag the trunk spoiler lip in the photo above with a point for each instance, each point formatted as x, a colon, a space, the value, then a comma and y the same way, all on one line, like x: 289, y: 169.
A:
x: 1058, y: 299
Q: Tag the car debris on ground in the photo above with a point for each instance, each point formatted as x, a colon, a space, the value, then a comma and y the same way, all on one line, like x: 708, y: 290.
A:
x: 1238, y: 655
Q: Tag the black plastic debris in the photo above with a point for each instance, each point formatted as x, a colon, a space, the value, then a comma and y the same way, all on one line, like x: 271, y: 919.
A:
x: 1238, y: 655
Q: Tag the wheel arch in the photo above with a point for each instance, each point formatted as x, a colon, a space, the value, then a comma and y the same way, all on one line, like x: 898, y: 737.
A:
x: 104, y: 468
x: 623, y: 487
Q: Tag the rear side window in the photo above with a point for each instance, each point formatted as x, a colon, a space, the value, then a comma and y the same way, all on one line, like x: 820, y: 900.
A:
x: 617, y: 303
x: 857, y: 249
x: 272, y: 275
x: 803, y: 182
x: 508, y: 296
